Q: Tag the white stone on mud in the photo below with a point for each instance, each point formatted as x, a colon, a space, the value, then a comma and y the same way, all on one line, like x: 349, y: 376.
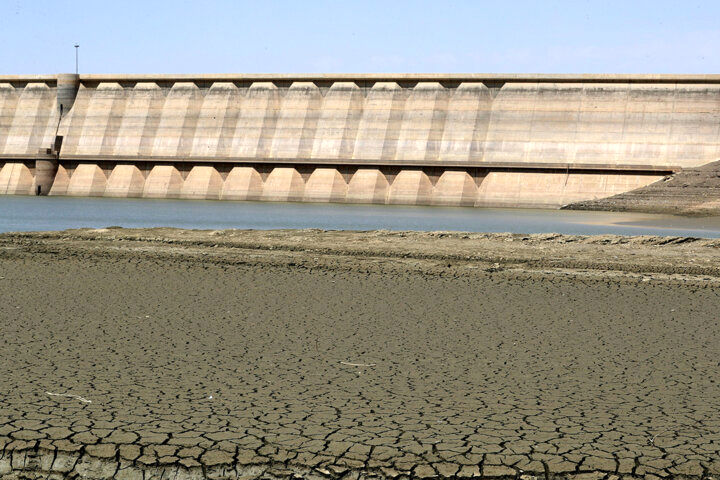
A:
x: 5, y: 466
x: 96, y: 468
x: 64, y: 462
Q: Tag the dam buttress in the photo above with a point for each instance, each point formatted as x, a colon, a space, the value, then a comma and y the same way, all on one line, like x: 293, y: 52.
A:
x: 464, y: 140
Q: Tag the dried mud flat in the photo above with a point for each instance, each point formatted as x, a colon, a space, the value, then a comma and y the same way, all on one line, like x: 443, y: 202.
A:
x: 167, y: 353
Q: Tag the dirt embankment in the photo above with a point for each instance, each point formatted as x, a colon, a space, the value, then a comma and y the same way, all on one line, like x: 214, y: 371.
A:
x: 694, y: 191
x: 431, y: 252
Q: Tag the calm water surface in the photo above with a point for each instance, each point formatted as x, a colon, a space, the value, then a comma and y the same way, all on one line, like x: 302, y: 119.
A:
x: 25, y: 213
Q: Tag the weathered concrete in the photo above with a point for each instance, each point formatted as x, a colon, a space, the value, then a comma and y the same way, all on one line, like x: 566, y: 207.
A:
x: 126, y: 180
x: 67, y: 87
x: 368, y: 185
x: 87, y: 180
x: 410, y: 187
x: 284, y: 184
x: 163, y: 181
x: 529, y: 189
x: 338, y: 121
x: 523, y: 140
x: 694, y: 191
x: 28, y: 118
x: 455, y: 188
x: 16, y: 179
x: 61, y: 181
x: 45, y: 171
x: 242, y: 183
x: 203, y: 182
x: 325, y: 185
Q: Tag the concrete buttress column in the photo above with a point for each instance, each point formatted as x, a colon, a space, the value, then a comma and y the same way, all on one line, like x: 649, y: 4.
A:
x: 67, y: 88
x: 45, y: 171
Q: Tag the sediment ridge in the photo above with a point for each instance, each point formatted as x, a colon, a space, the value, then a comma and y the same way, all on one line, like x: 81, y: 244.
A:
x: 384, y: 251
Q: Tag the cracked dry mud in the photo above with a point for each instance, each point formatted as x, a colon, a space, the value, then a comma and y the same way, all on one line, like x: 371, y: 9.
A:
x: 186, y: 354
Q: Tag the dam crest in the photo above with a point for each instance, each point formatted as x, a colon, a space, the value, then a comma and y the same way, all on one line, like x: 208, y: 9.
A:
x: 460, y: 140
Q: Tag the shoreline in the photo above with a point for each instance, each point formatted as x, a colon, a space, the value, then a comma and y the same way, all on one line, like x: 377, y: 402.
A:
x: 385, y: 251
x: 58, y: 213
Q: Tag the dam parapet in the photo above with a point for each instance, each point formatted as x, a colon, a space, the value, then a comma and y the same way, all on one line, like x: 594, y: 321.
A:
x: 472, y: 140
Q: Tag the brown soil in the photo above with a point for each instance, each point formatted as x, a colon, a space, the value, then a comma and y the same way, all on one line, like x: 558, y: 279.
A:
x: 273, y: 354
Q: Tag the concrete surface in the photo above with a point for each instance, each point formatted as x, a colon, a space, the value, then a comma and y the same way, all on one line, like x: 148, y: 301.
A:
x: 694, y: 191
x: 125, y: 181
x: 16, y: 179
x: 242, y: 183
x: 591, y: 128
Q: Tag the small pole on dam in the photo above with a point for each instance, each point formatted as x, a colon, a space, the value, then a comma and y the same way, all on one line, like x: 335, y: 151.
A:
x: 77, y: 47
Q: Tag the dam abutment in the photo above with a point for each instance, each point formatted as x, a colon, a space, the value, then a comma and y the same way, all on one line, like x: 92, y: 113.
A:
x: 457, y: 140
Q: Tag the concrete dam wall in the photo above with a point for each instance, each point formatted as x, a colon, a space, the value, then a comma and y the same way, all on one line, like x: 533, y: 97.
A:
x: 471, y: 140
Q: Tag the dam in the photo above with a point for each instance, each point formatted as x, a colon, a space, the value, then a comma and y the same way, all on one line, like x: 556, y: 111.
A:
x: 413, y: 139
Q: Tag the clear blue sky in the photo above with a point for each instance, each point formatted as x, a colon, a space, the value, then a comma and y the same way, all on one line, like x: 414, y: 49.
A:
x: 266, y: 36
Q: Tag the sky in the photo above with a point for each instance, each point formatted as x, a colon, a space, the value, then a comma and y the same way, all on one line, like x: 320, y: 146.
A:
x: 360, y: 36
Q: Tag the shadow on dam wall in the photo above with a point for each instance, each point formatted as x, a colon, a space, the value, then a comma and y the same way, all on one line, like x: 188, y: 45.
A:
x: 482, y: 140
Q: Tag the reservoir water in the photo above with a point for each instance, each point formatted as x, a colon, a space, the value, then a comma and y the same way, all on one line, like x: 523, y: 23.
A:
x: 27, y: 213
